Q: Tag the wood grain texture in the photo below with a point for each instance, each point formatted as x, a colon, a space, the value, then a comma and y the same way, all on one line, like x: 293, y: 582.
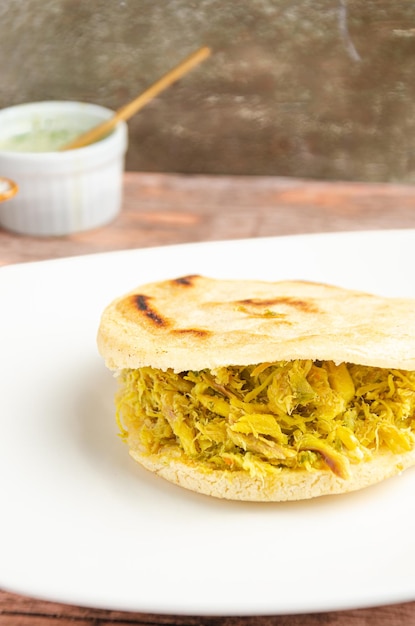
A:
x: 18, y: 610
x: 163, y: 209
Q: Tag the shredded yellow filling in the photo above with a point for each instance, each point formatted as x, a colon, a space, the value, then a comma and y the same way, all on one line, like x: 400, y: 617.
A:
x: 263, y: 418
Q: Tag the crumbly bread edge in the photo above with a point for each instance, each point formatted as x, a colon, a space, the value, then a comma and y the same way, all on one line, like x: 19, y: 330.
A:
x: 288, y: 485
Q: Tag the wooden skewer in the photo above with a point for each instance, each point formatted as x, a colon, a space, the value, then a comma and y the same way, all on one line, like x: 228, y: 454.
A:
x: 129, y: 109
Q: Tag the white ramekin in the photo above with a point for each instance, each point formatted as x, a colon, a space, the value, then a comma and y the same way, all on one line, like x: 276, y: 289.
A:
x: 62, y: 192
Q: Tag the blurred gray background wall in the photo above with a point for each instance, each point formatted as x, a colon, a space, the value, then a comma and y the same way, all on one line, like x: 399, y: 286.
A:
x: 311, y: 88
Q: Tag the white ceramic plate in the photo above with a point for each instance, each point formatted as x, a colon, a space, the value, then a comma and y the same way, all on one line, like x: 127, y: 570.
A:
x: 82, y: 523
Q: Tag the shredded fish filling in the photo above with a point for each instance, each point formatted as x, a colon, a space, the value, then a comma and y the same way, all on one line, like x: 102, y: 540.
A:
x: 263, y: 418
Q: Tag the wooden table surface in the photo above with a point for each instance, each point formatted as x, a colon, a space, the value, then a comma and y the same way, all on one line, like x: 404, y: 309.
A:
x: 163, y: 209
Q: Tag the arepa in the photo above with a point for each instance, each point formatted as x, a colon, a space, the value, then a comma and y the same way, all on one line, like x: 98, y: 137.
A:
x: 263, y: 391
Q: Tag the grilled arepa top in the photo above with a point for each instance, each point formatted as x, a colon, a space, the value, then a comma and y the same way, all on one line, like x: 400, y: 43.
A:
x: 195, y: 322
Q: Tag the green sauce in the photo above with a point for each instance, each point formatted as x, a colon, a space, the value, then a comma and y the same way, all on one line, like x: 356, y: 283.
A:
x: 39, y: 140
